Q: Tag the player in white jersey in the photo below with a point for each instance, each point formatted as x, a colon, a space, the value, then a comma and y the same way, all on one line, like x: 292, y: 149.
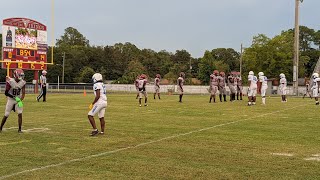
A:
x: 180, y: 82
x: 264, y: 86
x: 214, y: 82
x: 315, y: 87
x: 43, y: 86
x: 15, y: 92
x: 283, y: 87
x: 252, y: 89
x: 157, y: 86
x: 99, y: 104
x: 142, y: 89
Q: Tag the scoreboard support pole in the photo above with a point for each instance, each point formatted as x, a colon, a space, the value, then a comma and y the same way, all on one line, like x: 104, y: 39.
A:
x: 36, y: 77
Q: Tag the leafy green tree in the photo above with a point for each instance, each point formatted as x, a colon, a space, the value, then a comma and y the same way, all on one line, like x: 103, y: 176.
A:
x: 206, y: 67
x: 85, y: 75
x: 229, y: 56
x: 72, y: 37
x: 135, y: 68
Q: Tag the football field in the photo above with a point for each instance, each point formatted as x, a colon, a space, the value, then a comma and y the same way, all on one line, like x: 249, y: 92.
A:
x: 166, y: 140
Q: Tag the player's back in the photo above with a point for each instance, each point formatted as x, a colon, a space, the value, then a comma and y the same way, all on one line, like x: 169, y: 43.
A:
x: 103, y: 91
x: 180, y: 81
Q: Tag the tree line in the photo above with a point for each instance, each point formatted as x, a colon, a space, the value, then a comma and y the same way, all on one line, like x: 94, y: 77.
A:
x: 122, y: 62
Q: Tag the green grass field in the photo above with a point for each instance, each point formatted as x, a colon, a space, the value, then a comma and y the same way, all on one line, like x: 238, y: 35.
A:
x: 167, y: 140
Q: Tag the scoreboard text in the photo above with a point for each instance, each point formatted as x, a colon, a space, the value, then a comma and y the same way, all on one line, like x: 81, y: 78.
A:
x: 17, y: 58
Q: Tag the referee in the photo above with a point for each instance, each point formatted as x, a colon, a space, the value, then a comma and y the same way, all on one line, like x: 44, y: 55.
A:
x: 43, y: 85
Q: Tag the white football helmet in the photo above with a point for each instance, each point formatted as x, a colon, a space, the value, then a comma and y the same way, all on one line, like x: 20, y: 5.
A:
x: 44, y: 72
x: 261, y: 74
x: 315, y: 75
x: 96, y: 78
x: 282, y: 75
x: 251, y: 73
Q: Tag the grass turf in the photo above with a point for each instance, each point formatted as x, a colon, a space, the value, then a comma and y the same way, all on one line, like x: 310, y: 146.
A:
x: 166, y: 140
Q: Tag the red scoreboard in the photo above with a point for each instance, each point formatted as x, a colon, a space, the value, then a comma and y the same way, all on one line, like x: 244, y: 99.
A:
x: 24, y: 44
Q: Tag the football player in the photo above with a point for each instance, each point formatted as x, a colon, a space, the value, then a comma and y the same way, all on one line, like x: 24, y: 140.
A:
x: 214, y: 82
x: 264, y: 86
x: 315, y: 87
x: 157, y: 86
x: 222, y: 89
x: 99, y: 104
x: 283, y: 87
x: 252, y: 89
x: 142, y: 89
x: 231, y: 86
x: 15, y: 92
x: 180, y: 82
x: 239, y: 86
x: 43, y: 85
x: 136, y: 84
x: 308, y: 91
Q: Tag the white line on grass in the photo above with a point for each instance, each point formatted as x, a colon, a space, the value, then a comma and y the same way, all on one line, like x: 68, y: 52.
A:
x: 141, y: 144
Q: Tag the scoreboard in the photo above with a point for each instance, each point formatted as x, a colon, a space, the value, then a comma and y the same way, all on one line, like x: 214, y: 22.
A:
x: 24, y: 44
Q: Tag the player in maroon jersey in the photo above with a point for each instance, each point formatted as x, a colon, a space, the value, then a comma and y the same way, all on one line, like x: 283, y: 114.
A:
x: 221, y: 87
x: 15, y: 92
x: 180, y: 82
x: 214, y: 82
x: 142, y: 89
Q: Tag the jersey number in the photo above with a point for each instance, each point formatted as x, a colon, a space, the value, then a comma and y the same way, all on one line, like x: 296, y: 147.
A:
x: 16, y: 92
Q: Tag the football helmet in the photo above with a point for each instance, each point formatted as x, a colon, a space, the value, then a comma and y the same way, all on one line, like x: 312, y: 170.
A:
x: 143, y: 76
x: 158, y: 76
x: 44, y: 72
x: 261, y: 74
x: 222, y: 73
x: 182, y: 74
x: 282, y: 75
x: 315, y: 75
x: 97, y: 77
x: 215, y: 72
x: 18, y: 74
x: 251, y: 73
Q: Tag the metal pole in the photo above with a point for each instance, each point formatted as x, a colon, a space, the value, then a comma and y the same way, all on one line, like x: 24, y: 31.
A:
x: 296, y: 50
x: 64, y: 56
x: 58, y: 85
x: 241, y: 59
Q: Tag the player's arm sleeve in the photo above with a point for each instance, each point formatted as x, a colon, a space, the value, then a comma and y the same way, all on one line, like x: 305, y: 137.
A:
x: 6, y: 92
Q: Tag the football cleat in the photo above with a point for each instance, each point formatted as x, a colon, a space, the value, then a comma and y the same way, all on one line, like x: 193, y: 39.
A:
x: 94, y: 132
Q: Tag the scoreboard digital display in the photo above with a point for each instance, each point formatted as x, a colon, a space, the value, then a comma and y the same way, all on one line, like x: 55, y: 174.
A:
x: 24, y: 44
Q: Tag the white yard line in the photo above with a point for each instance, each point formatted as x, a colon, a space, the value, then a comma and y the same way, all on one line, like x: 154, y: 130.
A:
x: 139, y: 145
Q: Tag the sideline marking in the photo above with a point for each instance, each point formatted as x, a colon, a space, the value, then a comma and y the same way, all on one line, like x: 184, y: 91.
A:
x: 283, y: 154
x: 18, y: 142
x: 138, y: 145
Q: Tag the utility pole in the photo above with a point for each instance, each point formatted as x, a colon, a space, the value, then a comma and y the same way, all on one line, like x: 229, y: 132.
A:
x: 64, y: 57
x: 241, y: 59
x: 296, y: 50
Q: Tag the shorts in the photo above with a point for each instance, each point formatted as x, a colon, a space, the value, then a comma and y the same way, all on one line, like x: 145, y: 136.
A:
x: 99, y: 108
x: 9, y: 107
x: 283, y: 90
x: 180, y: 91
x: 213, y: 90
x: 232, y: 89
x: 156, y: 89
x: 263, y: 91
x: 315, y: 93
x: 143, y: 94
x: 222, y: 90
x: 252, y: 92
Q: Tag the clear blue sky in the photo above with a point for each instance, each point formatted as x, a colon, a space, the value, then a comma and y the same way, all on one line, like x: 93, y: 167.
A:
x: 194, y: 25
